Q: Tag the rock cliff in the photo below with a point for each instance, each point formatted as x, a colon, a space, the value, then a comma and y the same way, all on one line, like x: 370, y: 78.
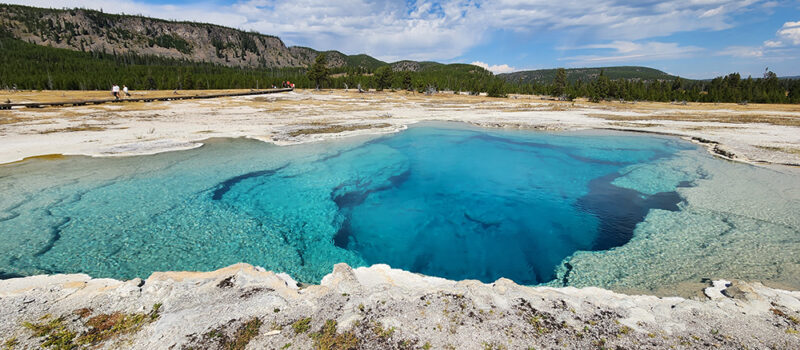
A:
x: 94, y: 31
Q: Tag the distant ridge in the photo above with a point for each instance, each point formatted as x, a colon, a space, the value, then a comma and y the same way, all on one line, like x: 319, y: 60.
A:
x: 546, y: 76
x: 95, y: 31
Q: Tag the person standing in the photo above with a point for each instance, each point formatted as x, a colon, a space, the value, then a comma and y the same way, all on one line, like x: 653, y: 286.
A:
x: 115, y: 91
x: 125, y: 91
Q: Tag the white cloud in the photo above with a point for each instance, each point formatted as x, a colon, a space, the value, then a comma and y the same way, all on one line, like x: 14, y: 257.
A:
x: 712, y: 12
x: 609, y: 19
x: 743, y: 51
x: 770, y: 4
x: 778, y: 49
x: 791, y: 32
x: 624, y: 51
x: 200, y: 12
x: 496, y: 69
x: 425, y: 30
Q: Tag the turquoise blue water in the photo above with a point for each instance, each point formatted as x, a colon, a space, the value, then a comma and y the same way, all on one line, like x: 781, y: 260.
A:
x: 439, y: 199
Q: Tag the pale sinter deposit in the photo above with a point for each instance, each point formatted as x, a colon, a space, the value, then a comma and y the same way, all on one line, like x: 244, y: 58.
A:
x: 379, y: 307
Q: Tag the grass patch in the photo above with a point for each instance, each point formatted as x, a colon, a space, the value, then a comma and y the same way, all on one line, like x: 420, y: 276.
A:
x: 328, y: 339
x: 43, y: 328
x: 790, y: 318
x: 80, y: 95
x: 82, y: 127
x: 83, y: 313
x: 106, y: 326
x: 707, y: 117
x: 382, y: 332
x: 635, y: 125
x: 538, y: 324
x: 244, y: 335
x: 302, y: 325
x: 795, y: 151
x: 10, y: 344
x: 493, y: 346
x: 56, y: 334
x: 7, y: 117
x: 220, y: 337
x: 333, y: 129
x: 101, y: 328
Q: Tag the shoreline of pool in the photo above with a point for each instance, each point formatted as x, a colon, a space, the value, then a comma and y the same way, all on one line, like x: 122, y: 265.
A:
x: 307, y: 116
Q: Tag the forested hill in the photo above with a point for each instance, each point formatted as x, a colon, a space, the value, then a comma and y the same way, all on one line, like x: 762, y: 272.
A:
x: 547, y: 76
x: 95, y: 31
x: 125, y: 35
x: 28, y: 66
x: 87, y: 50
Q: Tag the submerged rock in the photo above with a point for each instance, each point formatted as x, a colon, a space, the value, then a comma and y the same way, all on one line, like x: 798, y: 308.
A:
x: 242, y: 306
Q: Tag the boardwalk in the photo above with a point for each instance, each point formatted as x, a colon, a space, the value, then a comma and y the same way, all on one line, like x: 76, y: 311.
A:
x: 137, y: 99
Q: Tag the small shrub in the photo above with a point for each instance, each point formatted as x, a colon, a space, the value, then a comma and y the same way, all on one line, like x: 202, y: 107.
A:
x: 42, y: 329
x: 61, y: 339
x: 83, y: 313
x: 56, y: 334
x: 302, y: 325
x: 106, y: 326
x: 219, y: 339
x: 244, y: 335
x: 382, y: 332
x: 10, y: 344
x: 328, y: 339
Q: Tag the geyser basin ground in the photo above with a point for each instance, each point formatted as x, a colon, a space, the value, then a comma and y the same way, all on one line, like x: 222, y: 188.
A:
x: 616, y: 210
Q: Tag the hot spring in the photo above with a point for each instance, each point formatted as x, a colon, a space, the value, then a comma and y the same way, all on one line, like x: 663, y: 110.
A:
x: 610, y: 209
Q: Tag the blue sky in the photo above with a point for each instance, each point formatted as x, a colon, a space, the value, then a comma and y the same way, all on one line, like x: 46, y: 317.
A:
x: 690, y: 38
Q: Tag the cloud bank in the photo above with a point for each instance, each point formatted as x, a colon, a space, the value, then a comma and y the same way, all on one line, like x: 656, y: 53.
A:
x: 783, y: 47
x: 443, y: 30
x: 625, y: 51
x: 790, y: 32
x: 496, y: 69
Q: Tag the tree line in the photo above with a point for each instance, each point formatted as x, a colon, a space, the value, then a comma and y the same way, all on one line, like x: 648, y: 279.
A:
x: 28, y: 66
x: 730, y: 88
x: 454, y: 77
x: 25, y: 65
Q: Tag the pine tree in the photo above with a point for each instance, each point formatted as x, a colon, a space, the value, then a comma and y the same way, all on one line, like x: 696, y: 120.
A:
x: 318, y: 73
x: 601, y: 87
x: 188, y: 81
x: 383, y: 75
x: 560, y: 84
x: 407, y: 81
x: 496, y: 89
